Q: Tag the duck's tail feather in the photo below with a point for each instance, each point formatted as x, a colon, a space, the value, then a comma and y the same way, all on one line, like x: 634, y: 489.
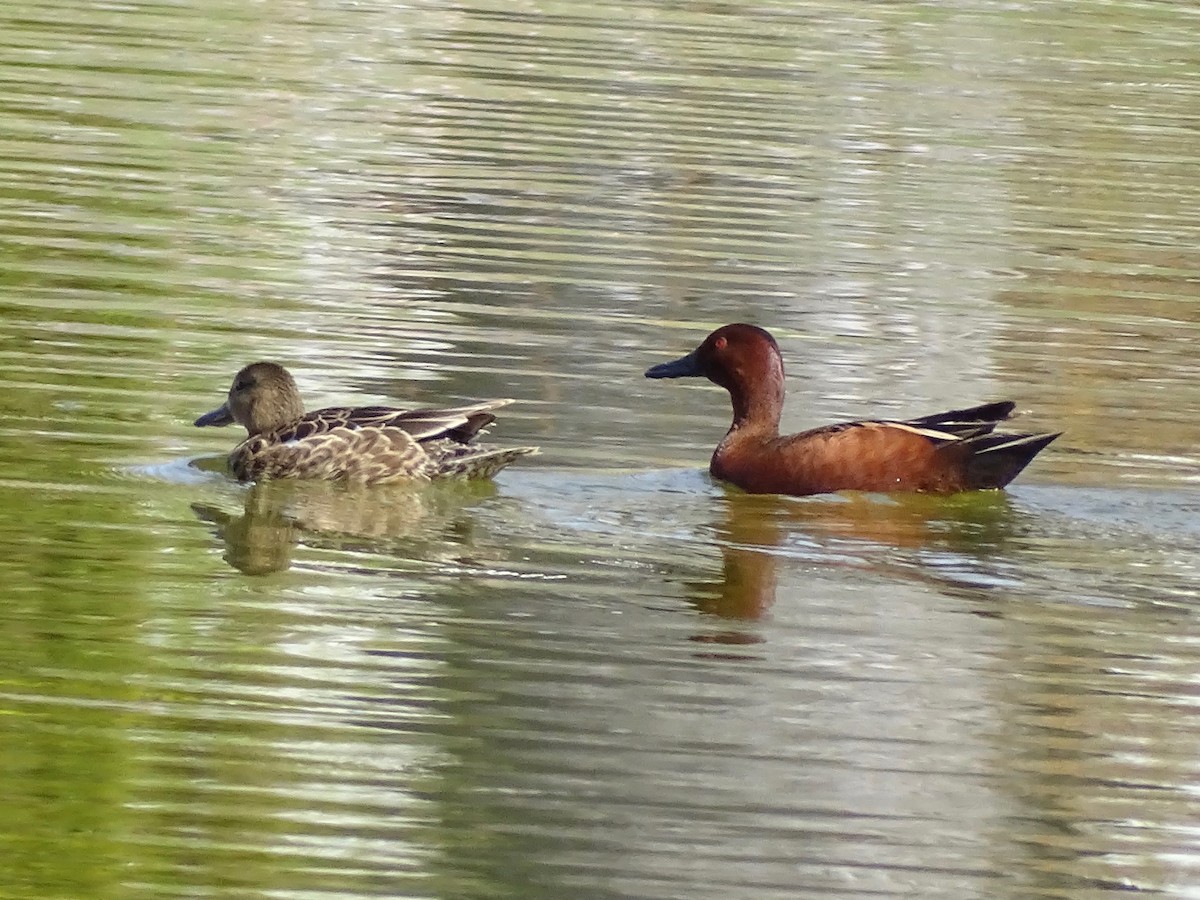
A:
x: 455, y: 460
x: 996, y: 459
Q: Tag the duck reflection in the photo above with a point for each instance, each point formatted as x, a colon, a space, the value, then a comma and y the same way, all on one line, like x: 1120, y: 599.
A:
x: 277, y: 516
x: 756, y: 531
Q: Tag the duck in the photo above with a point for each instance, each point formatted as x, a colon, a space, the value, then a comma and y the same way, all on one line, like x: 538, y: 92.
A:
x: 361, y: 444
x: 944, y: 453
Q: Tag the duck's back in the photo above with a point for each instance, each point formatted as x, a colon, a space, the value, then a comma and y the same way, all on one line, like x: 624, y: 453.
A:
x: 876, y: 456
x: 375, y: 445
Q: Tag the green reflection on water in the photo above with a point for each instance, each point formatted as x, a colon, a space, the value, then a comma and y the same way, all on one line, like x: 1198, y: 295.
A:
x: 74, y: 573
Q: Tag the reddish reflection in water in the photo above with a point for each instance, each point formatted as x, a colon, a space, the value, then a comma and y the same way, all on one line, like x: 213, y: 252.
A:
x: 759, y: 533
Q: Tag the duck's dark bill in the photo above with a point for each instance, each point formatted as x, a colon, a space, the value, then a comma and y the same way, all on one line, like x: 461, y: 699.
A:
x: 219, y: 416
x: 680, y: 368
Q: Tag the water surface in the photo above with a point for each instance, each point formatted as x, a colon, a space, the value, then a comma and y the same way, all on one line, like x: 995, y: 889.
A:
x: 604, y: 675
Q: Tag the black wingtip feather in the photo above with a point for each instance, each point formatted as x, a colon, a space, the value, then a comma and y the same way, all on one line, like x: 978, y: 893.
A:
x: 973, y: 416
x: 464, y: 434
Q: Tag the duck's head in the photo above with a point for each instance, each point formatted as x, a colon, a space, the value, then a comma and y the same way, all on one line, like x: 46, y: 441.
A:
x: 263, y: 396
x: 743, y: 359
x: 733, y: 356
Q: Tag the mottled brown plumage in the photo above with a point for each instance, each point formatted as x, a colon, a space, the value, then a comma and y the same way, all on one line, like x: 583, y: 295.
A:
x: 368, y: 444
x: 943, y: 453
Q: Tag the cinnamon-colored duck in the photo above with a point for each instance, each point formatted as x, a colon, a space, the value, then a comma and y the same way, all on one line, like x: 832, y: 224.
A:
x: 943, y: 453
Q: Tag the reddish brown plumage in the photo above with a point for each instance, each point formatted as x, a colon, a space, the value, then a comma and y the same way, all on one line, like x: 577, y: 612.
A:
x: 943, y: 453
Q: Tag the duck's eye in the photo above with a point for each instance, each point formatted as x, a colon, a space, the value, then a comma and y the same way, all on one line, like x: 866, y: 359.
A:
x: 721, y: 343
x: 243, y: 384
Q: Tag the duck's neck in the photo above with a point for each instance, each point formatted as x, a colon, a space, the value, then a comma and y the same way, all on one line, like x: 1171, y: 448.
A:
x: 758, y: 409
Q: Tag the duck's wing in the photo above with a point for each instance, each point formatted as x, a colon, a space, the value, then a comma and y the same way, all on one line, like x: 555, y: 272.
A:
x: 459, y: 423
x: 965, y: 422
x: 938, y: 428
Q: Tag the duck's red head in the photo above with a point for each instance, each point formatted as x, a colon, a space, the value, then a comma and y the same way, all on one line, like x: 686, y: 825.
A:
x: 743, y: 359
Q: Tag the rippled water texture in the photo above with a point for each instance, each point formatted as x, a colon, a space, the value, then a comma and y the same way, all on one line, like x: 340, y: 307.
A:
x: 603, y: 675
